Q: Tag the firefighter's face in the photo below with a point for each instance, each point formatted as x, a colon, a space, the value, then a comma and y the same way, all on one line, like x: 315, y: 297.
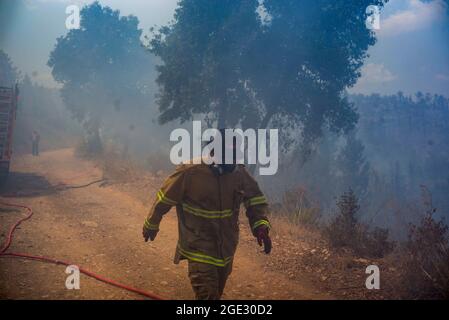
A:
x: 229, y: 153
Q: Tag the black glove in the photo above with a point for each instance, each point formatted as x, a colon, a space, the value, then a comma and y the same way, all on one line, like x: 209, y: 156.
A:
x: 263, y: 238
x: 149, y: 233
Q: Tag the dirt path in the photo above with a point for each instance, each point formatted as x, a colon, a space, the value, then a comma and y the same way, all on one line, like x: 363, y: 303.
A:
x: 99, y: 228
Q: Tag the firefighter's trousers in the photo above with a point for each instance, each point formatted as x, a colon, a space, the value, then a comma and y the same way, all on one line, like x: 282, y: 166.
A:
x: 208, y: 281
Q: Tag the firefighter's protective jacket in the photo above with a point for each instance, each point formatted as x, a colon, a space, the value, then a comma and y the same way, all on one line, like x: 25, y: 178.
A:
x: 208, y: 206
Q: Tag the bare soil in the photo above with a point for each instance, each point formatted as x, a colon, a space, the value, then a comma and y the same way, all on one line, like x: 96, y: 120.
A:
x: 99, y: 228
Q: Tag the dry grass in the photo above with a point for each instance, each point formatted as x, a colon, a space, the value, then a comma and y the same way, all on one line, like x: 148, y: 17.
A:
x: 299, y: 209
x: 283, y: 226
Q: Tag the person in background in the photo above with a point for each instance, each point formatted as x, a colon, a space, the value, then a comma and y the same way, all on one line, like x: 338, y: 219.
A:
x: 35, y: 137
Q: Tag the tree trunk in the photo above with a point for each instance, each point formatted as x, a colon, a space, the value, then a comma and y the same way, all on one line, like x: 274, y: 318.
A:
x: 94, y: 144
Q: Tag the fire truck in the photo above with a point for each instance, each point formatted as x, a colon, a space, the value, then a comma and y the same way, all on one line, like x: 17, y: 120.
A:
x: 8, y: 108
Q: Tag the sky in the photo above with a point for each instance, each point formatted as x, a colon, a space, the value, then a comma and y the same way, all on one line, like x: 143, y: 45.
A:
x: 411, y: 54
x: 412, y: 51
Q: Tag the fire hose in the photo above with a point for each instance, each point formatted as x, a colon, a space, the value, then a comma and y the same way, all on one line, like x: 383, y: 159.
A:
x: 9, y: 239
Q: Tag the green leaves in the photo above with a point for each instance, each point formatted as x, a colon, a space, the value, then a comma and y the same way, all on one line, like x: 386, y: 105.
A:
x: 105, y: 71
x: 291, y: 66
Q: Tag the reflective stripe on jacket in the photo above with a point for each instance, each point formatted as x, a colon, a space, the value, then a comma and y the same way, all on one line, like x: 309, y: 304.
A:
x: 208, y: 206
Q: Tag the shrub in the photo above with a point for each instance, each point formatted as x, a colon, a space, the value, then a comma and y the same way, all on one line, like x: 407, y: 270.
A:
x: 346, y: 231
x: 373, y: 243
x: 426, y: 270
x: 342, y: 230
x: 299, y: 209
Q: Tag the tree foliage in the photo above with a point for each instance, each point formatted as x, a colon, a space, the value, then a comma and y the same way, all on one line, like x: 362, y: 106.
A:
x: 202, y: 53
x: 400, y: 143
x: 8, y: 73
x: 352, y: 167
x: 279, y: 63
x: 103, y: 68
x: 42, y: 109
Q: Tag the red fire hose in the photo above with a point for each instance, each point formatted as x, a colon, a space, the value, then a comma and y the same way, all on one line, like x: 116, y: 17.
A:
x: 9, y: 239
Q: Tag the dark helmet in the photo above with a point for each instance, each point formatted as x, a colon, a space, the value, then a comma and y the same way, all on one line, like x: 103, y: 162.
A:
x: 226, y: 147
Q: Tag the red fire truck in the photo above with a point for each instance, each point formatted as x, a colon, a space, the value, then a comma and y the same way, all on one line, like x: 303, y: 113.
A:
x: 8, y: 108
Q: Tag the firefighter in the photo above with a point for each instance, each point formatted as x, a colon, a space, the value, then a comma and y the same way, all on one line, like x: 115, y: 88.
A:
x: 35, y: 137
x: 207, y: 200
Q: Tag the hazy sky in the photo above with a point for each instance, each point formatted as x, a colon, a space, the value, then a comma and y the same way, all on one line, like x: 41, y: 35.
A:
x: 412, y: 52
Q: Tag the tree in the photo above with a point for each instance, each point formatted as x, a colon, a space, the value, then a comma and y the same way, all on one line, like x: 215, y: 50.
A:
x: 353, y: 167
x: 343, y: 228
x: 287, y: 67
x: 406, y: 140
x: 42, y: 109
x: 103, y: 68
x: 202, y: 54
x: 8, y: 73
